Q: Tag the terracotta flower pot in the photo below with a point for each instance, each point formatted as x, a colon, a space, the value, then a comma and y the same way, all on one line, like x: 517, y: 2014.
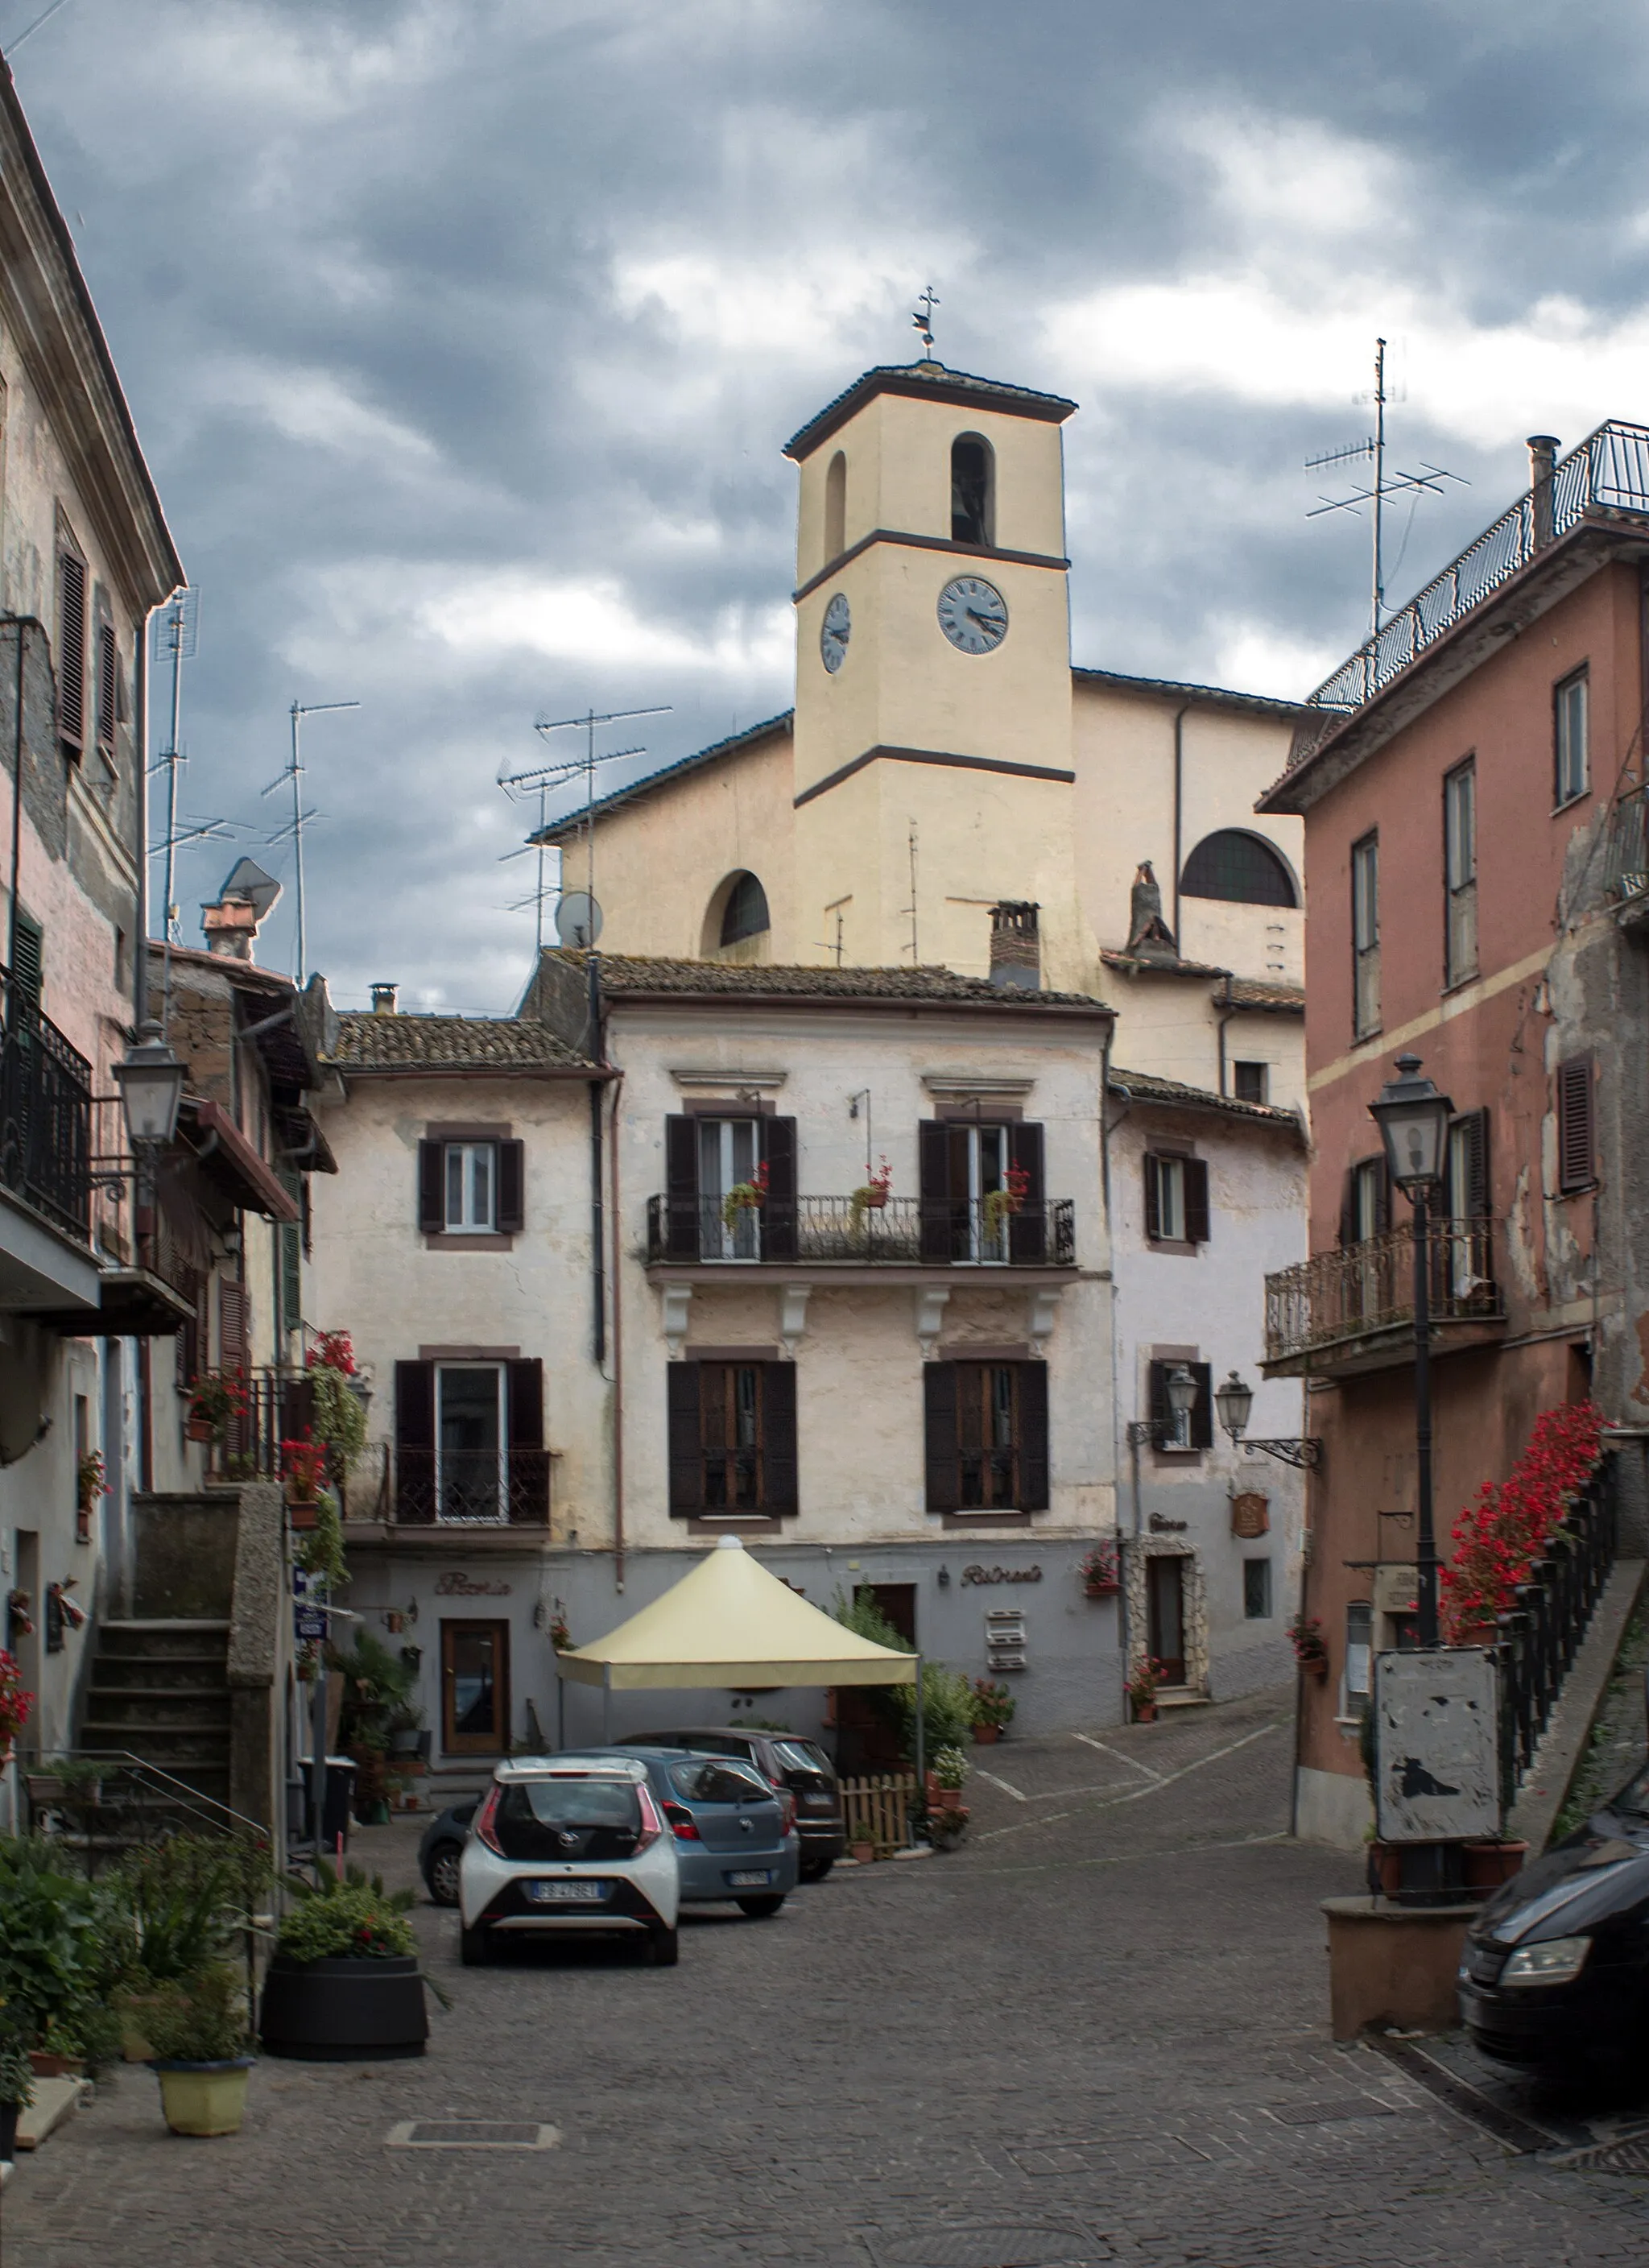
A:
x: 1101, y: 1590
x: 1314, y: 1665
x: 199, y: 1429
x: 950, y: 1799
x: 1488, y: 1865
x: 864, y: 1853
x: 986, y: 1735
x: 304, y: 1515
x: 55, y: 2066
x: 1144, y: 1712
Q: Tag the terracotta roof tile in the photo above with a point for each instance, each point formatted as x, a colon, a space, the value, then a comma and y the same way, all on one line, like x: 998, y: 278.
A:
x: 1258, y: 992
x: 369, y: 1043
x: 626, y: 973
x: 1145, y: 1087
x: 1152, y: 964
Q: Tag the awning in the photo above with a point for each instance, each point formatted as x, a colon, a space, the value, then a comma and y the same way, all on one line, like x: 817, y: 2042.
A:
x: 225, y: 1157
x: 729, y: 1622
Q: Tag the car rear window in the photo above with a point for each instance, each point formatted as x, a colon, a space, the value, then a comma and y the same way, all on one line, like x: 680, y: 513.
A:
x: 570, y: 1803
x: 716, y: 1781
x: 801, y: 1756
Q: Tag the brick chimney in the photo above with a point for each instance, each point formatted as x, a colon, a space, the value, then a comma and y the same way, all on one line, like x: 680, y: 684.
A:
x: 230, y: 926
x: 384, y: 1000
x: 1542, y: 458
x: 1016, y: 947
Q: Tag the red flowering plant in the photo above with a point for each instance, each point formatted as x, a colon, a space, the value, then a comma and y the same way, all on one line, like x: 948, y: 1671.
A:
x: 334, y: 1350
x: 216, y: 1397
x: 15, y: 1703
x: 1498, y: 1538
x: 1002, y: 1204
x: 745, y: 1197
x: 302, y: 1467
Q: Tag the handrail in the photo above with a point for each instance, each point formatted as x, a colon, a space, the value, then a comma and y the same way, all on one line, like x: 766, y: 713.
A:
x: 188, y: 1798
x: 1538, y: 1640
x: 899, y: 1232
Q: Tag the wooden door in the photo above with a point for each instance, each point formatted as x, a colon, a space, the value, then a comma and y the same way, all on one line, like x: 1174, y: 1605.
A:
x: 474, y: 1688
x: 1165, y: 1593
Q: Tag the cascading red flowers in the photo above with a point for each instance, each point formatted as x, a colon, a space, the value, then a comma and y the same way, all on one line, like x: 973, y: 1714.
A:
x: 1498, y: 1538
x: 15, y: 1703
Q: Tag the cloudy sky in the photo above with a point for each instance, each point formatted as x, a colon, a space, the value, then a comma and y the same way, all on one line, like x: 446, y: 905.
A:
x: 463, y: 335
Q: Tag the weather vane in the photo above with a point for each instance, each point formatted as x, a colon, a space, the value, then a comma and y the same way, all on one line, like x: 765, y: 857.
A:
x: 923, y: 316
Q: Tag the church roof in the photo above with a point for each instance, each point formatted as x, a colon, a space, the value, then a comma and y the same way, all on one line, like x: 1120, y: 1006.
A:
x: 927, y: 381
x: 1205, y: 697
x: 570, y: 821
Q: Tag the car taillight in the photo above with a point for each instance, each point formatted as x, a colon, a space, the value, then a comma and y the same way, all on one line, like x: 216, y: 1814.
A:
x: 787, y: 1811
x: 681, y: 1824
x: 484, y: 1817
x: 652, y: 1825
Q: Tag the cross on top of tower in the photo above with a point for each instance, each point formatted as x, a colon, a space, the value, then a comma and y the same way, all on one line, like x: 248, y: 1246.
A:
x: 927, y: 300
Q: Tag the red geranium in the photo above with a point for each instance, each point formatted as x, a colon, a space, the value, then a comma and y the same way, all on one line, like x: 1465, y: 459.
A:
x: 1496, y: 1539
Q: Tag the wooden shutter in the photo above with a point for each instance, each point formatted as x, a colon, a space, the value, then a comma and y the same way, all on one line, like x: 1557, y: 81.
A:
x: 1033, y: 1443
x: 415, y: 1441
x: 529, y: 1466
x: 1158, y: 1407
x: 940, y: 1424
x: 1027, y: 1231
x: 29, y: 953
x: 686, y: 1459
x: 231, y: 1324
x: 681, y: 1193
x: 1153, y: 1200
x: 780, y: 1492
x: 431, y: 1188
x: 108, y: 665
x: 777, y: 1139
x: 933, y: 1157
x: 72, y: 650
x: 1195, y: 1171
x: 1382, y: 1196
x: 1470, y: 1200
x: 1202, y: 1425
x: 511, y: 1186
x: 1575, y: 1165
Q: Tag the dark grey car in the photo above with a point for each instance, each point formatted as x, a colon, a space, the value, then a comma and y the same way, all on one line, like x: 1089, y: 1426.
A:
x: 783, y: 1760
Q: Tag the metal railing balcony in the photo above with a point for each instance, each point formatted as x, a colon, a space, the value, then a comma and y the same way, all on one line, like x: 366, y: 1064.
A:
x: 471, y: 1488
x: 1362, y: 1290
x: 1606, y: 475
x: 1626, y: 847
x: 45, y: 1115
x: 902, y: 1233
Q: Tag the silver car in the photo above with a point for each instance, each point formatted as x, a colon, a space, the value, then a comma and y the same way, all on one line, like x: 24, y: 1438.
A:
x: 735, y: 1835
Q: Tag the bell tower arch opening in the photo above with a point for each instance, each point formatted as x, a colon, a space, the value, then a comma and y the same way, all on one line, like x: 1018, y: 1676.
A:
x: 736, y: 924
x: 836, y: 511
x: 973, y: 490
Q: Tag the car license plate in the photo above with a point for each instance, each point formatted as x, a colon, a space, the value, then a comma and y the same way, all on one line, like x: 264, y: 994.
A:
x: 560, y: 1894
x: 753, y: 1878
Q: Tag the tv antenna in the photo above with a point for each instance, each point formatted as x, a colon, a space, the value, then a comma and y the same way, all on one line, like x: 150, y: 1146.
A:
x: 294, y: 827
x: 926, y: 302
x: 1428, y: 481
x: 544, y: 779
x: 179, y: 632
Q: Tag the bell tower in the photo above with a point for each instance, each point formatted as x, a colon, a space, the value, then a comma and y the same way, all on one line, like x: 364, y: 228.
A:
x: 933, y: 730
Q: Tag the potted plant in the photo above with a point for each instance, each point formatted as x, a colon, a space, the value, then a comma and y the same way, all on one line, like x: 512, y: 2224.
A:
x: 1492, y: 1862
x: 1311, y: 1651
x: 303, y: 1469
x: 947, y: 1777
x: 863, y: 1853
x: 560, y: 1630
x: 198, y: 2030
x: 183, y: 1901
x: 16, y: 2091
x: 993, y: 1710
x: 338, y: 1405
x: 745, y: 1197
x: 872, y: 1196
x: 344, y: 1985
x: 1142, y: 1690
x: 1099, y: 1573
x: 216, y: 1398
x: 947, y: 1826
x: 1003, y: 1204
x: 15, y: 1703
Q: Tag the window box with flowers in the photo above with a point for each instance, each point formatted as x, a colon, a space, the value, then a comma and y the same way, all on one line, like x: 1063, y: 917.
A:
x: 1101, y: 1572
x: 216, y: 1398
x: 303, y: 1469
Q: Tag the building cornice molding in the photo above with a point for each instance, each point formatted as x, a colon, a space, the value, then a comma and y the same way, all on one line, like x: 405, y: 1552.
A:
x: 926, y: 543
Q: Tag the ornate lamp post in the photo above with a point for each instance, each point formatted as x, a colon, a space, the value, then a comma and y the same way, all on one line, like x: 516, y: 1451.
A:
x: 1181, y: 1388
x: 1413, y: 1120
x: 1235, y: 1400
x: 151, y: 1082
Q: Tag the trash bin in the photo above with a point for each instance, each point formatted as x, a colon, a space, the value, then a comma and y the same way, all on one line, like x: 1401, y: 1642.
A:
x: 336, y: 1809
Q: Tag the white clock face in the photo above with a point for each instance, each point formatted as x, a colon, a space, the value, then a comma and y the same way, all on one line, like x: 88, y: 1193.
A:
x: 833, y: 633
x: 973, y: 615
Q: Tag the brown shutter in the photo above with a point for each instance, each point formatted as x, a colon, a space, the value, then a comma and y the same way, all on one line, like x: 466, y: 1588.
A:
x: 778, y: 1137
x: 415, y: 1442
x: 1382, y: 1196
x: 933, y: 1156
x: 1575, y: 1162
x: 1158, y: 1407
x: 529, y: 1466
x: 681, y: 1190
x: 231, y: 1324
x: 685, y: 1459
x: 1348, y: 1208
x: 1153, y: 1201
x: 1028, y: 1231
x: 1470, y: 1200
x: 780, y: 1492
x: 431, y: 1188
x: 107, y: 667
x: 1033, y: 1443
x: 511, y: 1187
x: 1196, y: 1171
x: 72, y: 650
x: 1202, y: 1425
x: 938, y: 1396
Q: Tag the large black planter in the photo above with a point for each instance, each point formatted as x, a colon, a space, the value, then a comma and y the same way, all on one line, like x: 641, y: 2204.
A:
x: 346, y: 2011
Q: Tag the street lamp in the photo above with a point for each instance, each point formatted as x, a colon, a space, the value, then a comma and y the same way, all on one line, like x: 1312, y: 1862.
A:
x: 150, y: 1081
x: 1413, y: 1120
x: 1235, y: 1400
x: 1181, y: 1391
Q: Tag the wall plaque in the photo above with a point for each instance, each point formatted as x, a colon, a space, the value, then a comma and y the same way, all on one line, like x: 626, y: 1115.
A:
x: 1250, y: 1514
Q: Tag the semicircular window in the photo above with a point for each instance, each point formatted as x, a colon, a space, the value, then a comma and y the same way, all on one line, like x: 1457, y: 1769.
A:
x: 1237, y: 866
x: 745, y: 913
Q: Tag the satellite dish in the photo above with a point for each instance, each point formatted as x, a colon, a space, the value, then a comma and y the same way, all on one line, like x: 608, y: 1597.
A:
x: 578, y: 918
x: 247, y: 880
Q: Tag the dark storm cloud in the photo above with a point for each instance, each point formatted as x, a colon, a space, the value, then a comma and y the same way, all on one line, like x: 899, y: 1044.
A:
x: 463, y: 337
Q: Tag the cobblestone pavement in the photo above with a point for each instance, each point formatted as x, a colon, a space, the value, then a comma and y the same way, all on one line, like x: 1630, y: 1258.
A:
x: 1097, y: 2032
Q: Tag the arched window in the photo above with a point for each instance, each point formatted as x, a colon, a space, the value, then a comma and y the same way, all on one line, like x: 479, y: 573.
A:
x: 972, y: 490
x: 836, y: 508
x: 1241, y: 867
x: 745, y: 913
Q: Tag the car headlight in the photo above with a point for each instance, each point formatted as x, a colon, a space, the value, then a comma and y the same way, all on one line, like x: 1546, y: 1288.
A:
x: 1559, y: 1961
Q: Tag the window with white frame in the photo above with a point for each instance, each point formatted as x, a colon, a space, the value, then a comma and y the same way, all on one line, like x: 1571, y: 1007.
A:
x: 1569, y: 735
x: 1366, y: 935
x: 1360, y: 1657
x: 471, y: 1183
x: 1460, y: 860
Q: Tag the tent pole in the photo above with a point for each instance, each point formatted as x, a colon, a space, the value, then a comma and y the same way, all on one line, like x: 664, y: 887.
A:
x: 607, y: 1703
x: 561, y: 1710
x: 921, y: 1777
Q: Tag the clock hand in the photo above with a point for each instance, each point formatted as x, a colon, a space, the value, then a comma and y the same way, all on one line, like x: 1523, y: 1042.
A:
x: 985, y: 622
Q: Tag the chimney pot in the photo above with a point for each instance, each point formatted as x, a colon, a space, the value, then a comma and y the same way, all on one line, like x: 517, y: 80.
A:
x: 230, y: 925
x: 1016, y: 947
x: 384, y: 999
x: 1543, y: 458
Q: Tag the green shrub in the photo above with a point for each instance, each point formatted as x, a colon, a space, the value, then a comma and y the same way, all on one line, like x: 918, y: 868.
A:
x: 354, y: 1919
x: 184, y: 1898
x: 947, y: 1709
x: 52, y: 1935
x: 17, y: 2073
x: 199, y: 2019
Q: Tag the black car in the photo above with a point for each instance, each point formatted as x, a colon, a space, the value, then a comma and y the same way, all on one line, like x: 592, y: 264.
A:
x: 442, y: 1847
x: 783, y: 1760
x: 1556, y: 1969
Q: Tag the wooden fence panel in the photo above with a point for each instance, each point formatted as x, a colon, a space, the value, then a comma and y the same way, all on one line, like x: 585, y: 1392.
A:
x: 877, y: 1811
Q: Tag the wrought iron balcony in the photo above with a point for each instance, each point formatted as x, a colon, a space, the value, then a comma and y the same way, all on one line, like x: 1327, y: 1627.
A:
x: 1626, y: 855
x: 471, y: 1488
x: 1605, y: 477
x: 902, y: 1233
x: 1353, y: 1309
x: 44, y: 1116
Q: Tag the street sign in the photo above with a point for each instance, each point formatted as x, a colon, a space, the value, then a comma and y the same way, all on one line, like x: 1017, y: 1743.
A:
x: 1437, y: 1777
x: 308, y: 1623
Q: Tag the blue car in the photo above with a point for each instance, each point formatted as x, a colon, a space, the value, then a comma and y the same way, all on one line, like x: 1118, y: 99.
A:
x: 735, y: 1835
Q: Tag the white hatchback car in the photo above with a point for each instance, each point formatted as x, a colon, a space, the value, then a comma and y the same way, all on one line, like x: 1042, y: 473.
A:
x: 568, y: 1843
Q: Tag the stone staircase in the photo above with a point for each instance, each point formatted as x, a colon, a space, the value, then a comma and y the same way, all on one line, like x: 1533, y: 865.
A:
x: 159, y: 1689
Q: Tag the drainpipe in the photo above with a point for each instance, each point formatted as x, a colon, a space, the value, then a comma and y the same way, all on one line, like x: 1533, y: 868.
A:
x: 598, y: 1228
x: 618, y: 1354
x: 17, y: 815
x: 1222, y: 1020
x: 1178, y: 807
x: 1542, y: 458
